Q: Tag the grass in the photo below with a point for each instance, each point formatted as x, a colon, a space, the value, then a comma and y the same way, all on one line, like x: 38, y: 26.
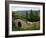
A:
x: 26, y: 26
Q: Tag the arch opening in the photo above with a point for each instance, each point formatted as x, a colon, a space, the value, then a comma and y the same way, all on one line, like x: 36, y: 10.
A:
x: 19, y: 24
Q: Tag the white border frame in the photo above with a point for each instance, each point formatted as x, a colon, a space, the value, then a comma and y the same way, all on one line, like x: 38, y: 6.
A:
x: 25, y: 32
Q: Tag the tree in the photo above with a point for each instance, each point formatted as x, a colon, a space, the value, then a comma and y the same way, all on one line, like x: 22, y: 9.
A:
x: 31, y: 15
x: 34, y: 16
x: 13, y: 15
x: 26, y: 15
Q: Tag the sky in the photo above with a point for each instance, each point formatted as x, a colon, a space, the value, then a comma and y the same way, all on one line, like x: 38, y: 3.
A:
x: 14, y: 8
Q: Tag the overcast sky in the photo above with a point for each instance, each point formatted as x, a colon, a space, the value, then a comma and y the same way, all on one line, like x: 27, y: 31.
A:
x: 24, y: 8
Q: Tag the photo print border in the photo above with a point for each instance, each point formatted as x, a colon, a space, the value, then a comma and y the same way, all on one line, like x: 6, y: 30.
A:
x: 7, y: 18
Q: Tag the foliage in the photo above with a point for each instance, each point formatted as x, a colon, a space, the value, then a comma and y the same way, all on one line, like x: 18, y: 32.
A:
x: 32, y: 16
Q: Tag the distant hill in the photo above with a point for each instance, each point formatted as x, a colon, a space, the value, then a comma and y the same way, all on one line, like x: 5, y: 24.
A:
x: 24, y: 12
